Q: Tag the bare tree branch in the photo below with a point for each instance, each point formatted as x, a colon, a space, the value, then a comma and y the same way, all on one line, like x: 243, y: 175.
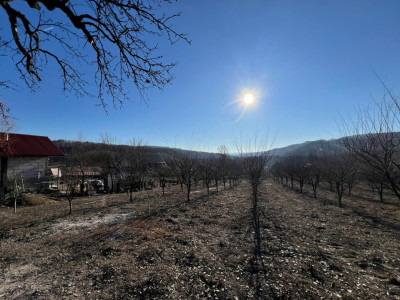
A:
x: 111, y: 35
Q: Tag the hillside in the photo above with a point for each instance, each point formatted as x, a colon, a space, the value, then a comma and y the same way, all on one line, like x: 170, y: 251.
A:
x: 319, y: 147
x: 159, y: 153
x: 155, y: 153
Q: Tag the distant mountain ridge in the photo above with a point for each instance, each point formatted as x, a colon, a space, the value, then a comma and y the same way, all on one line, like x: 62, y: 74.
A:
x: 157, y: 153
x: 319, y: 147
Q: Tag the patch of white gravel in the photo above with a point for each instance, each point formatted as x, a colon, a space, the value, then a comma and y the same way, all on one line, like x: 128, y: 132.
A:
x: 70, y: 226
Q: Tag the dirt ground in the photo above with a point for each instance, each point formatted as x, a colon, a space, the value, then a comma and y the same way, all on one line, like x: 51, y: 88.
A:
x: 112, y: 249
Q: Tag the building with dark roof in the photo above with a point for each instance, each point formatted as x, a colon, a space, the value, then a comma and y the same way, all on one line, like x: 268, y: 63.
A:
x: 24, y: 157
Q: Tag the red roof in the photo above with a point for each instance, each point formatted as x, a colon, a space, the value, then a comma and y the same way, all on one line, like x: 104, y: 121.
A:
x: 13, y: 144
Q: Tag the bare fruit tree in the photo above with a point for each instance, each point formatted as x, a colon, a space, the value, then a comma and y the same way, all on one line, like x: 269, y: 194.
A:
x: 79, y: 161
x: 185, y: 167
x: 119, y: 38
x: 278, y: 172
x: 301, y: 170
x: 70, y: 181
x: 161, y: 171
x: 341, y: 168
x: 206, y: 170
x: 314, y: 172
x: 223, y: 163
x: 289, y: 170
x: 376, y: 179
x: 108, y: 159
x: 374, y: 140
x: 255, y: 157
x: 133, y: 165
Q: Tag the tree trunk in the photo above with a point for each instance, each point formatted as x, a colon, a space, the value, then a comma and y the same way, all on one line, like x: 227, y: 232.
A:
x: 393, y: 185
x: 350, y: 188
x: 315, y: 186
x: 188, y: 193
x: 256, y: 222
x: 380, y: 189
x: 257, y: 235
x: 131, y: 194
x: 112, y: 183
x: 339, y: 188
x: 381, y: 195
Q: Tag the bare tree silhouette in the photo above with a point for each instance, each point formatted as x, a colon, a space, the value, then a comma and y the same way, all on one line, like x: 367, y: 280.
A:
x: 255, y: 157
x: 117, y: 37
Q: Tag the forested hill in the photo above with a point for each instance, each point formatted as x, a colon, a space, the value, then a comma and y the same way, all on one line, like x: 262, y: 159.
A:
x: 158, y: 153
x: 96, y: 150
x: 320, y: 147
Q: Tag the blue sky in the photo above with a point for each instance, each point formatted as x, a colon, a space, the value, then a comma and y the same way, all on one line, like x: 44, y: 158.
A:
x: 307, y: 62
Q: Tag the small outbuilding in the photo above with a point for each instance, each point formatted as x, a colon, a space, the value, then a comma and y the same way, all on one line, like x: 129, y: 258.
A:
x: 24, y: 157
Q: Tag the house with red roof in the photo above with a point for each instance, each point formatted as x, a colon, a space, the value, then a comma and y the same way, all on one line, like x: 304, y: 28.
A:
x: 24, y: 157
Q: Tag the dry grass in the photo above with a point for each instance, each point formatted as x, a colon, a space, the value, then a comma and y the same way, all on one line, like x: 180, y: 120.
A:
x: 36, y: 199
x: 112, y: 249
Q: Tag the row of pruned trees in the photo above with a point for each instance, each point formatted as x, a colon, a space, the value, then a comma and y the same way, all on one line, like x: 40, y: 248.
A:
x: 368, y: 152
x: 374, y: 141
x: 129, y: 167
x: 212, y: 170
x: 338, y: 170
x: 342, y: 170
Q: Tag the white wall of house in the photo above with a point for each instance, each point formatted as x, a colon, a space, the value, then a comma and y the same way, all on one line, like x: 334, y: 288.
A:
x: 28, y: 167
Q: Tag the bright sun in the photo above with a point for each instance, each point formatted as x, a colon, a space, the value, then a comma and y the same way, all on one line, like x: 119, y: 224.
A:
x: 248, y: 99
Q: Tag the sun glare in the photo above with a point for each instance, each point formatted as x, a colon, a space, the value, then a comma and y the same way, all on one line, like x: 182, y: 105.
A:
x: 248, y: 99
